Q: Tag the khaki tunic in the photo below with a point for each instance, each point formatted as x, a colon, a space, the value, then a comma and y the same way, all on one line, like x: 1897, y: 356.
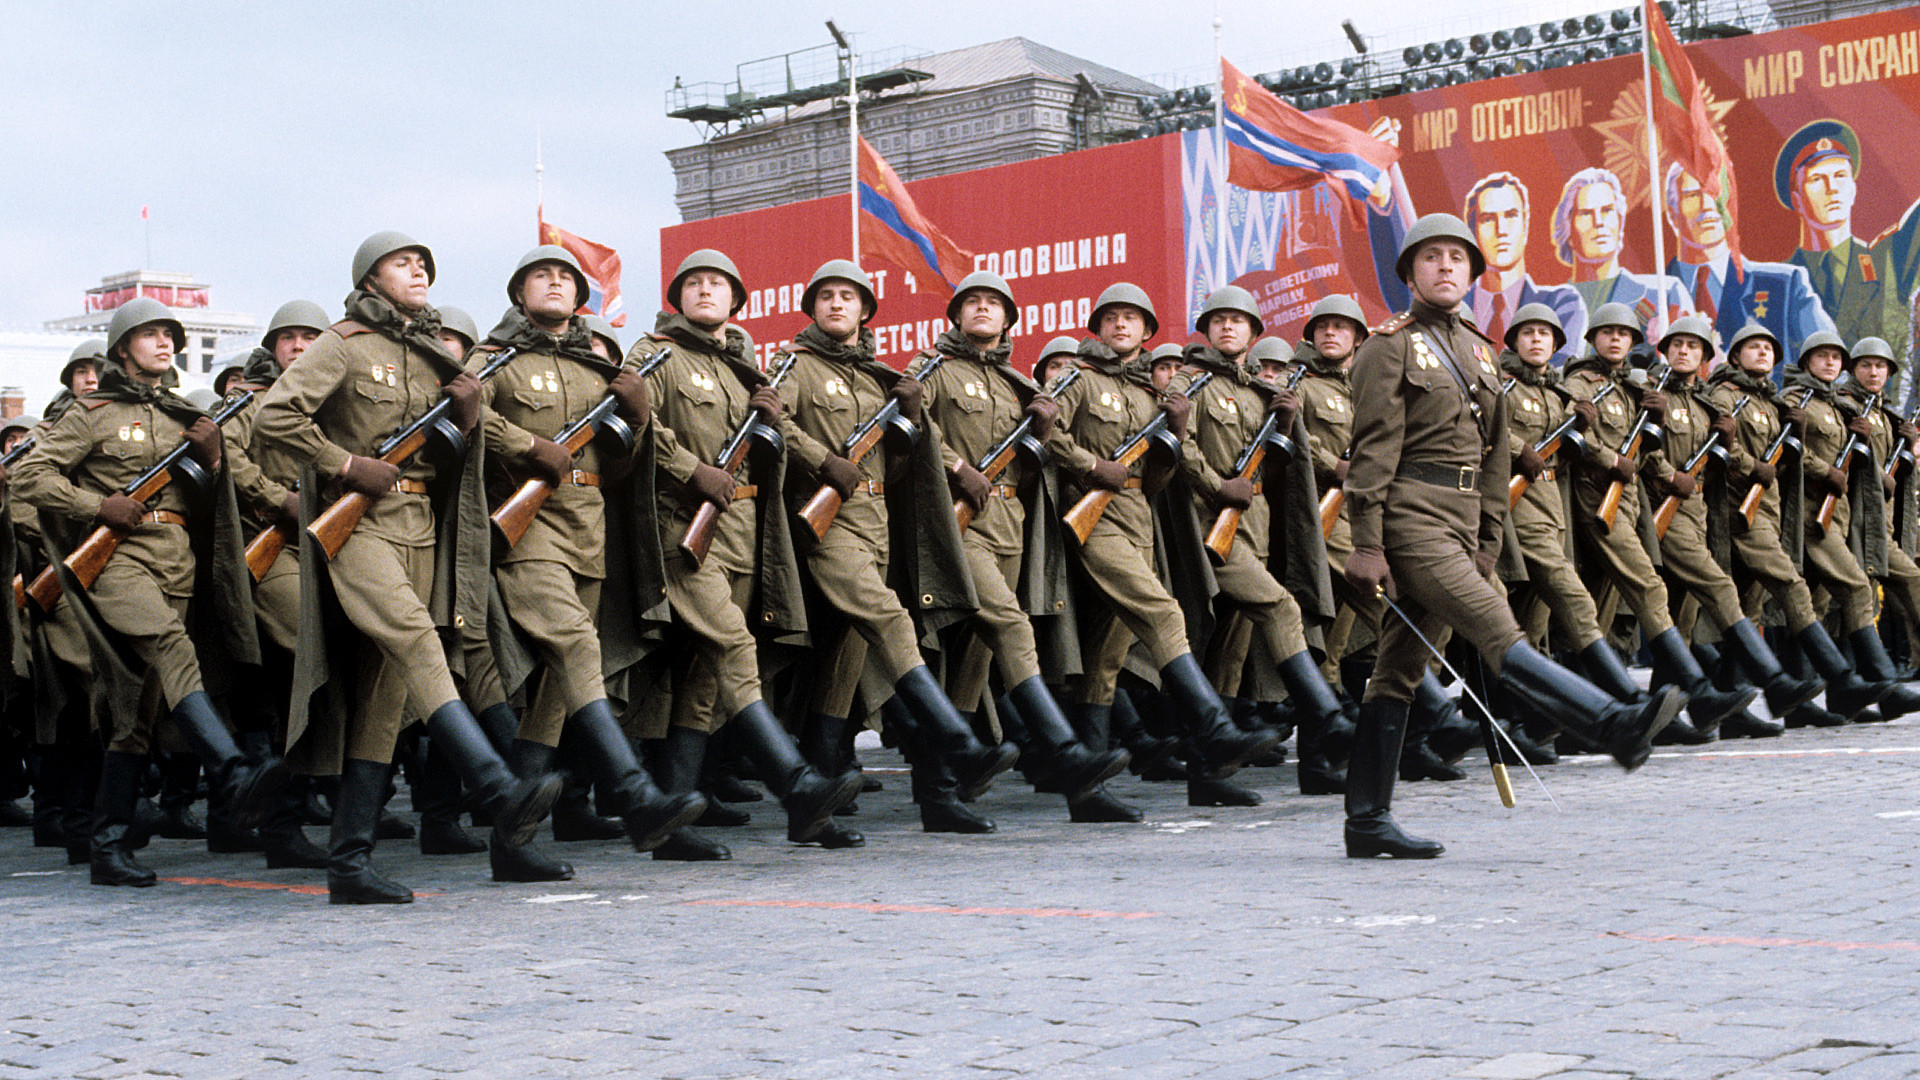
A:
x: 1412, y: 416
x: 1535, y: 410
x: 1685, y: 556
x: 1902, y: 579
x: 1828, y: 561
x: 1758, y: 555
x: 1618, y: 551
x: 1326, y: 407
x: 276, y: 596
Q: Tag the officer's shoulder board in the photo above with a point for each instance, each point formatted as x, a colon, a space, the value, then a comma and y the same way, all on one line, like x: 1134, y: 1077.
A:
x: 91, y: 402
x: 1477, y: 332
x: 349, y: 327
x: 1394, y: 323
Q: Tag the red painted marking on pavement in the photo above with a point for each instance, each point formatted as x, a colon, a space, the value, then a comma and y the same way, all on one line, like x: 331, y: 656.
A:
x: 929, y: 909
x: 267, y: 886
x: 1765, y: 943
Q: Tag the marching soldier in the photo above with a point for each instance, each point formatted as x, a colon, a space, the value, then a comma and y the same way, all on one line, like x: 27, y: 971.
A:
x: 75, y: 473
x: 80, y: 375
x: 1428, y: 492
x: 706, y: 390
x: 1268, y: 358
x: 974, y: 399
x: 1110, y: 402
x: 1055, y: 357
x: 1619, y: 550
x: 1873, y: 367
x: 364, y: 378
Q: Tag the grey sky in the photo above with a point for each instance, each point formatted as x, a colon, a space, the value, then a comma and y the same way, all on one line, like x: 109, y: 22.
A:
x: 269, y: 138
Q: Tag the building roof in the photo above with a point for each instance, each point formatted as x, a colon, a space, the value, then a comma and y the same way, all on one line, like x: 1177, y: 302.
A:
x: 1017, y: 57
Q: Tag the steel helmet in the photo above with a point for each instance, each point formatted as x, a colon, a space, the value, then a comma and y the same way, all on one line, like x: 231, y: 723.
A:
x: 1230, y: 298
x: 1124, y: 293
x: 548, y: 253
x: 1169, y: 351
x: 91, y: 351
x: 604, y: 330
x: 1823, y: 339
x: 993, y: 283
x: 1539, y: 313
x: 1269, y: 350
x: 1876, y: 348
x: 1342, y: 305
x: 1436, y: 227
x: 1619, y: 315
x: 295, y: 315
x: 1747, y: 333
x: 137, y: 313
x: 1694, y: 326
x: 382, y: 244
x: 841, y: 270
x: 458, y: 321
x: 1062, y: 344
x: 23, y: 422
x: 708, y: 259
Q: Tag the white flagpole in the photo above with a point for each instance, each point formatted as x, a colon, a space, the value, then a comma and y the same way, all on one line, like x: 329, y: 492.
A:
x: 1656, y: 184
x: 853, y: 148
x: 539, y: 177
x: 1220, y: 150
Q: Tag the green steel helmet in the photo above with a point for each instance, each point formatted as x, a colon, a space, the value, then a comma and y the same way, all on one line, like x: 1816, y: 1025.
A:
x: 1823, y: 339
x: 295, y: 315
x: 1694, y: 326
x: 23, y: 422
x: 841, y: 270
x: 382, y: 244
x: 603, y: 330
x: 1230, y: 298
x: 91, y: 351
x: 1269, y: 350
x: 137, y: 313
x: 993, y: 283
x: 1619, y: 315
x: 1437, y: 227
x: 1342, y: 305
x: 1124, y: 293
x: 459, y: 322
x: 1749, y: 332
x: 1169, y: 351
x: 708, y: 259
x: 1062, y: 344
x: 1876, y: 348
x: 548, y: 253
x: 1539, y: 313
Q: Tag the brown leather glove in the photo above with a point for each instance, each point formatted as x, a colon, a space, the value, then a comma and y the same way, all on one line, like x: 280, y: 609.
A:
x: 1285, y: 404
x: 1585, y: 415
x: 634, y: 402
x: 840, y: 474
x: 1860, y: 426
x: 204, y: 438
x: 463, y: 393
x: 969, y: 483
x: 120, y: 513
x: 1654, y: 404
x: 712, y: 484
x: 1366, y: 571
x: 1908, y: 431
x: 368, y: 476
x: 289, y: 510
x: 909, y: 393
x: 1179, y: 410
x: 1235, y: 492
x: 1340, y: 468
x: 1762, y: 474
x: 1529, y: 463
x: 549, y: 460
x: 1108, y: 475
x: 1836, y: 480
x: 1727, y: 427
x: 1623, y: 468
x: 1044, y: 411
x: 766, y: 401
x: 1681, y: 484
x: 1796, y: 416
x: 1484, y: 561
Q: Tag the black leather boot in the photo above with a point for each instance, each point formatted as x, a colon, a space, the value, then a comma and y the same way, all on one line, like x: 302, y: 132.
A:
x: 526, y: 862
x: 1604, y: 669
x: 680, y: 756
x: 1848, y: 694
x: 76, y: 809
x: 351, y: 878
x: 245, y: 788
x: 1204, y: 790
x: 649, y: 814
x: 1745, y: 645
x: 50, y: 782
x: 1313, y: 699
x: 945, y: 732
x: 935, y: 787
x: 111, y: 858
x: 574, y: 816
x: 1076, y: 767
x: 1533, y: 751
x: 501, y: 724
x: 1097, y: 805
x: 517, y: 805
x: 1794, y: 661
x: 1151, y: 753
x: 808, y: 797
x: 1870, y: 657
x: 1223, y: 747
x: 284, y: 841
x: 728, y: 771
x: 718, y: 814
x: 1370, y: 828
x: 1625, y: 731
x: 1673, y: 663
x: 1317, y: 775
x: 1448, y: 733
x: 179, y: 789
x: 436, y: 795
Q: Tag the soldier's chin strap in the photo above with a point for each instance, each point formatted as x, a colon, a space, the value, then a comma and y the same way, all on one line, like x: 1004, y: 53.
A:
x: 1499, y: 767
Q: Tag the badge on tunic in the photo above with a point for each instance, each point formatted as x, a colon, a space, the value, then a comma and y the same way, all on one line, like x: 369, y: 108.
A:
x: 126, y: 433
x: 553, y: 382
x: 1109, y: 400
x: 1614, y: 406
x: 1336, y: 405
x: 393, y: 377
x: 1529, y: 404
x: 1233, y: 405
x: 1679, y: 416
x: 139, y: 433
x: 839, y: 386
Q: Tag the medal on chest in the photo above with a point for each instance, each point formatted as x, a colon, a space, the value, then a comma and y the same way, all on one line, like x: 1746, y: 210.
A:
x: 385, y: 374
x: 1423, y: 354
x: 703, y: 380
x: 838, y: 385
x: 1485, y: 356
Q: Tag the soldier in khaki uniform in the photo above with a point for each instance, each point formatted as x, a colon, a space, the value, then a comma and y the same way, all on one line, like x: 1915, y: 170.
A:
x: 1098, y: 413
x: 76, y: 472
x: 835, y: 385
x: 363, y: 379
x: 1428, y: 492
x: 1621, y: 552
x: 1055, y: 357
x: 974, y: 399
x: 1873, y: 366
x: 705, y: 391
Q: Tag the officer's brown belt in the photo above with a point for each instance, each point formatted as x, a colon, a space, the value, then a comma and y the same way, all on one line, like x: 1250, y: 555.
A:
x: 871, y: 487
x: 1004, y: 491
x: 1130, y: 483
x: 410, y: 487
x: 1547, y: 475
x: 584, y: 479
x: 1458, y: 477
x: 745, y: 491
x: 164, y: 517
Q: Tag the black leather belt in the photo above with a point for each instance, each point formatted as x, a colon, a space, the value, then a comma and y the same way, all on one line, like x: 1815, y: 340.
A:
x: 1458, y: 477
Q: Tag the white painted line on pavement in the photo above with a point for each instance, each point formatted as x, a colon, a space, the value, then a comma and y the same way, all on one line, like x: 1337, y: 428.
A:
x: 560, y: 898
x: 1892, y: 814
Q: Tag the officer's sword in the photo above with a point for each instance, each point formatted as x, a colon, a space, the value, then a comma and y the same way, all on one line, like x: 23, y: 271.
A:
x: 1488, y: 728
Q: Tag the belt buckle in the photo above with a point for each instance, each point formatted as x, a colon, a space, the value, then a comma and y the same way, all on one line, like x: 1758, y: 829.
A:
x: 1466, y: 479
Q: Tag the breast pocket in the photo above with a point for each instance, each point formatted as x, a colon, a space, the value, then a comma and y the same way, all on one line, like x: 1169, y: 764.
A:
x: 533, y: 400
x: 830, y: 401
x: 372, y: 390
x: 700, y: 395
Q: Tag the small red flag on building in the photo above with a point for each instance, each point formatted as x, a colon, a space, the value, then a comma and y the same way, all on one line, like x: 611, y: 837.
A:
x: 893, y: 230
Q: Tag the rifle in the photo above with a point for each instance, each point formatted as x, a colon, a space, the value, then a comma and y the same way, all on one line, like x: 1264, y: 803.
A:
x: 515, y: 516
x: 734, y: 454
x: 1750, y: 505
x: 1332, y: 502
x: 1902, y: 457
x: 1824, y: 519
x: 819, y: 512
x: 19, y: 451
x: 1643, y: 430
x: 1663, y: 518
x: 1017, y: 441
x: 1549, y: 445
x: 1252, y: 456
x: 87, y: 560
x: 330, y: 530
x: 1085, y: 514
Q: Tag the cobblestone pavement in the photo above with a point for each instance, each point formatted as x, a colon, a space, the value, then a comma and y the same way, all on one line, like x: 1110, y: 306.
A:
x: 1745, y: 909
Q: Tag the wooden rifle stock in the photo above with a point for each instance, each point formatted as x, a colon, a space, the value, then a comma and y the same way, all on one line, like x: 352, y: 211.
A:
x: 1663, y: 517
x: 1750, y: 505
x: 264, y: 550
x: 996, y: 460
x: 1085, y: 514
x: 1548, y: 446
x: 732, y: 455
x: 87, y: 560
x: 1902, y: 457
x: 819, y: 511
x: 1823, y: 520
x: 1226, y: 525
x: 1610, y: 502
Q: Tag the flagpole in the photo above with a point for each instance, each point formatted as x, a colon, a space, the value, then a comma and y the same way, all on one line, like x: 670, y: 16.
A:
x: 842, y: 39
x: 1656, y: 185
x: 1220, y: 151
x: 539, y: 185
